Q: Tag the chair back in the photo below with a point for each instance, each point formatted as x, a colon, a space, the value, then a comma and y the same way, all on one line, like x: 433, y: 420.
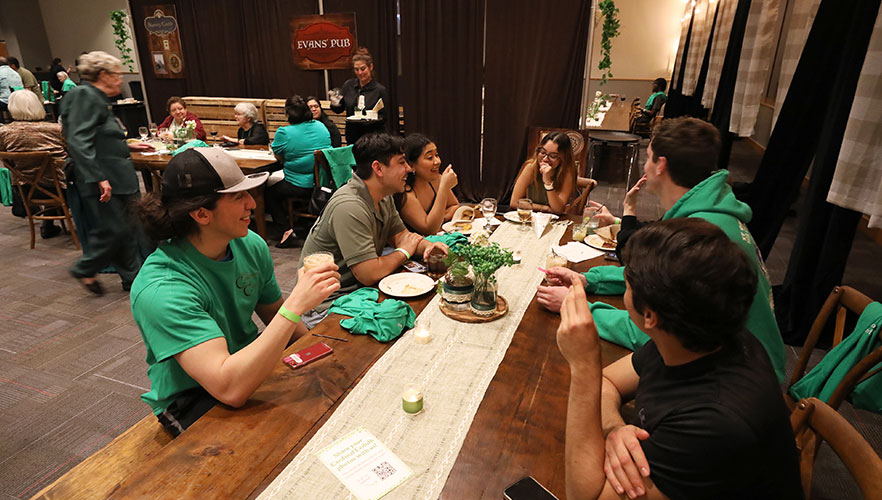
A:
x: 217, y: 112
x: 814, y: 422
x: 34, y: 169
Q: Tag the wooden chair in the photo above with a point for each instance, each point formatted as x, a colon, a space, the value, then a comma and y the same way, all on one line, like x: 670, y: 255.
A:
x: 814, y: 422
x: 645, y: 129
x: 842, y: 299
x: 296, y: 206
x: 39, y: 187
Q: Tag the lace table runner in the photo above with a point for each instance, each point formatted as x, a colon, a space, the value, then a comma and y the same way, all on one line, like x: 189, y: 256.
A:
x: 453, y: 370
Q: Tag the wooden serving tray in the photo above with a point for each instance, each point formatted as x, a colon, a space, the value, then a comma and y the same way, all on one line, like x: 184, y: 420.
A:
x: 467, y: 316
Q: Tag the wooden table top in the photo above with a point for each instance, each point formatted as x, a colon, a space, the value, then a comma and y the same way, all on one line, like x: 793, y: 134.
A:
x: 235, y: 453
x: 161, y: 160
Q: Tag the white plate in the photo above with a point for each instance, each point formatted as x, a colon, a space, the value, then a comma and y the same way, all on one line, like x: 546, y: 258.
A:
x: 477, y: 225
x: 406, y: 284
x: 513, y: 217
x: 594, y: 241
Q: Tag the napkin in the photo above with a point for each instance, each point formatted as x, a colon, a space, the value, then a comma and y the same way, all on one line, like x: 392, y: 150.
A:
x: 576, y: 252
x: 540, y: 222
x: 384, y: 321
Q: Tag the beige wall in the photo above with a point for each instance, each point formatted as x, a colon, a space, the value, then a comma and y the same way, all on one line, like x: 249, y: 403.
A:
x: 647, y: 43
x: 73, y: 27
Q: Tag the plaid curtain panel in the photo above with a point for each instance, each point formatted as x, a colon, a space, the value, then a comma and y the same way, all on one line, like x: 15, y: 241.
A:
x: 802, y: 16
x: 757, y: 54
x: 684, y: 30
x: 725, y: 18
x: 702, y: 22
x: 857, y: 181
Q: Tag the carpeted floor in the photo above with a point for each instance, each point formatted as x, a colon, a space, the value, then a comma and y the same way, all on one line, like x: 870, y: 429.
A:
x: 72, y: 365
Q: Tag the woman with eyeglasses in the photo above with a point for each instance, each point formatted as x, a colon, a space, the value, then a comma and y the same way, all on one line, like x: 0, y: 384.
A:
x: 548, y: 178
x: 318, y: 114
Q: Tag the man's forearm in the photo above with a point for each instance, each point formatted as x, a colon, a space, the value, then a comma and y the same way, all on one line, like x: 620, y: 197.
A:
x: 370, y: 272
x: 584, y: 437
x: 610, y: 406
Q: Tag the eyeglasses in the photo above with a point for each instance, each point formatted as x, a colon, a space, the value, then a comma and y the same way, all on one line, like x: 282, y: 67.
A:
x: 540, y: 151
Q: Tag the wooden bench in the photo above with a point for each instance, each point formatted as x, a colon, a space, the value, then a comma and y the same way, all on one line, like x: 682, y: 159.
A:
x: 218, y: 112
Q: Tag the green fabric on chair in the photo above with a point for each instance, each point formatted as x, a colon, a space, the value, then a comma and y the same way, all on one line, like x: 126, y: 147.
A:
x: 5, y: 187
x: 341, y: 161
x: 822, y: 380
x: 384, y: 321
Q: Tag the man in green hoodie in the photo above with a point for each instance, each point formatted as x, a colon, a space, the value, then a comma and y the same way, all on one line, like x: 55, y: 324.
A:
x: 680, y: 169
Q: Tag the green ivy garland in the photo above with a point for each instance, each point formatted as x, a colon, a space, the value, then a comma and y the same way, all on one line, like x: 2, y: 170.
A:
x: 610, y: 30
x: 121, y: 31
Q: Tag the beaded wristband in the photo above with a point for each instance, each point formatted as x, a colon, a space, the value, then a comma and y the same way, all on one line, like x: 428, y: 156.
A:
x: 290, y: 316
x: 405, y: 252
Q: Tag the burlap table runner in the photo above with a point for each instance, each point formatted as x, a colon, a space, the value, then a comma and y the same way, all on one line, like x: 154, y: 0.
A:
x: 453, y: 370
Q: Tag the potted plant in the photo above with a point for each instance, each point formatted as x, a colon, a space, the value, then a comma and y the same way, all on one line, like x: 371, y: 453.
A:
x: 484, y: 260
x: 457, y: 285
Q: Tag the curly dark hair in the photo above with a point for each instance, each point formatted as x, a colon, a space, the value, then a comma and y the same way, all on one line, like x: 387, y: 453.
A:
x: 691, y: 147
x: 697, y: 280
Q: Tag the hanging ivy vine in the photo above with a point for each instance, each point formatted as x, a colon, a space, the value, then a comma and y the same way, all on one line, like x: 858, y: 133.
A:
x: 610, y: 30
x: 121, y: 32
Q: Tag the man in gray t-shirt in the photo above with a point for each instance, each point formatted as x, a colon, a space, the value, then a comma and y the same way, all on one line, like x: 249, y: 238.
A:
x: 361, y: 219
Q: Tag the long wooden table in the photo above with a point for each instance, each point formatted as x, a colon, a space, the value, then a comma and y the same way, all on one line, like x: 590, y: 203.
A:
x: 155, y: 164
x: 235, y: 453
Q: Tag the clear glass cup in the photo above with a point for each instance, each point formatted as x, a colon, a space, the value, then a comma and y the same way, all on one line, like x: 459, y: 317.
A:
x: 525, y: 212
x: 488, y: 207
x: 153, y: 131
x: 143, y: 132
x: 590, y: 219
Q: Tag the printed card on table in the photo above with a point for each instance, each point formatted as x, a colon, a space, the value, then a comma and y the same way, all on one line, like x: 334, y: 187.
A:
x: 364, y: 465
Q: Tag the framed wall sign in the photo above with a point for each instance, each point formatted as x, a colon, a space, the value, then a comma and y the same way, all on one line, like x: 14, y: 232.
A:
x: 323, y: 42
x: 164, y: 41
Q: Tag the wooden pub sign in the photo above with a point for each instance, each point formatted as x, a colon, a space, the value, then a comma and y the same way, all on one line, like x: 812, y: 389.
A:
x: 164, y: 41
x: 323, y: 42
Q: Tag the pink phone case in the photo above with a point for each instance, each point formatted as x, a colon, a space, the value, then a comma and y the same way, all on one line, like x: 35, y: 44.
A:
x: 307, y: 355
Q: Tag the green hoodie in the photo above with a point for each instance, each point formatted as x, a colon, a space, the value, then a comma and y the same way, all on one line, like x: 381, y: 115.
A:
x: 712, y: 200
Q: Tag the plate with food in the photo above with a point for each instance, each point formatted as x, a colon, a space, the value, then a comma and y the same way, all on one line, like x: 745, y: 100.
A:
x: 463, y: 221
x: 406, y: 285
x: 514, y: 217
x: 604, y: 238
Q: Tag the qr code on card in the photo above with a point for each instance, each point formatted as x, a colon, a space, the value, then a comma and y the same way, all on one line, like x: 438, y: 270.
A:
x: 384, y: 470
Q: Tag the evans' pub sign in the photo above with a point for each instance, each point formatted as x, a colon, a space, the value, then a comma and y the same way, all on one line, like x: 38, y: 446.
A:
x: 323, y: 42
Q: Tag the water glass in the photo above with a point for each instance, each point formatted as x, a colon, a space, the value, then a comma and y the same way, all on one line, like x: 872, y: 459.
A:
x: 142, y: 131
x: 525, y: 212
x: 488, y: 207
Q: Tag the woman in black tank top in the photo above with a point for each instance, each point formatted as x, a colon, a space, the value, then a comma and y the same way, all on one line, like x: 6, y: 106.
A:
x: 428, y: 200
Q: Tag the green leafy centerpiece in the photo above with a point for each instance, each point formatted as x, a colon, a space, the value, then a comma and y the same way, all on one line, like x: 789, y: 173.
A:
x: 484, y: 260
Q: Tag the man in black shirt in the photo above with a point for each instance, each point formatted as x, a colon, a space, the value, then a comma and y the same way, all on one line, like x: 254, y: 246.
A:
x: 712, y: 420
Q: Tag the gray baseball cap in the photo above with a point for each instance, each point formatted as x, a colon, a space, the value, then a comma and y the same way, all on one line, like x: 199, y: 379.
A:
x: 202, y: 171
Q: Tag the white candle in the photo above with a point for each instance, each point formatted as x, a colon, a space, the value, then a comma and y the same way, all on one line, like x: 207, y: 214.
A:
x: 422, y: 334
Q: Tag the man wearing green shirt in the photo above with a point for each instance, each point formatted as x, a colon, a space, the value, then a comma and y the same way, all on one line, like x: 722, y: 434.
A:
x: 681, y: 170
x: 194, y: 298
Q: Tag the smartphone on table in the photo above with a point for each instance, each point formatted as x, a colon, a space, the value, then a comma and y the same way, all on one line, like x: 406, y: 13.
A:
x: 528, y: 488
x: 307, y: 355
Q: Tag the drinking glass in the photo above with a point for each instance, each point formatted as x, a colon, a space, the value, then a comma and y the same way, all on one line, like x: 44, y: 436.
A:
x: 142, y: 131
x: 317, y: 259
x: 213, y: 131
x: 488, y: 208
x: 153, y: 131
x: 590, y: 219
x: 525, y: 212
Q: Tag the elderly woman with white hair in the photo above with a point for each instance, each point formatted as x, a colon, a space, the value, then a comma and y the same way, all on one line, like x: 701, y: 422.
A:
x: 104, y: 176
x: 66, y: 83
x: 251, y: 131
x: 28, y: 134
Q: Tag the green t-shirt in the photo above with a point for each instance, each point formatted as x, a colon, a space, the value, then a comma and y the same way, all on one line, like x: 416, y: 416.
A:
x: 296, y: 145
x: 67, y: 85
x: 181, y: 298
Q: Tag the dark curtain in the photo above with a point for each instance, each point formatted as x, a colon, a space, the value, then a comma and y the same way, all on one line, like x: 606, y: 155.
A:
x: 809, y: 131
x: 378, y: 32
x: 242, y: 49
x: 441, y: 44
x: 534, y: 68
x: 722, y: 111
